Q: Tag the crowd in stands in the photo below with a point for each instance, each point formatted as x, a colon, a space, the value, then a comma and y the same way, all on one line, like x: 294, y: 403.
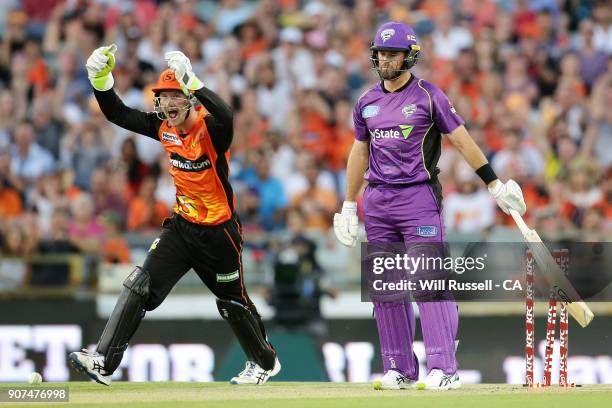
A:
x: 531, y: 78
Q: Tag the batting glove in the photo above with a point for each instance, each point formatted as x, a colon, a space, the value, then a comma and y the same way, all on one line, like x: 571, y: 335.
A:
x: 345, y: 224
x: 99, y: 66
x: 180, y: 64
x: 508, y: 196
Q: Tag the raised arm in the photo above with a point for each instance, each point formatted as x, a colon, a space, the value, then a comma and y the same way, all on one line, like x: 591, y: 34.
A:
x: 145, y: 123
x: 220, y: 121
x: 99, y: 71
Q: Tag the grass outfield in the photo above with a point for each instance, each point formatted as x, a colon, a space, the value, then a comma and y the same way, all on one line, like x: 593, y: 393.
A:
x: 297, y: 395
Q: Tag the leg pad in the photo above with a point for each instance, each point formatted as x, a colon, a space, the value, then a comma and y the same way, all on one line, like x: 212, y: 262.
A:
x: 249, y: 333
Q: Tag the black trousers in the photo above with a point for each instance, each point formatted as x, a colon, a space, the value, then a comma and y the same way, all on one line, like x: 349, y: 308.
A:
x: 214, y: 252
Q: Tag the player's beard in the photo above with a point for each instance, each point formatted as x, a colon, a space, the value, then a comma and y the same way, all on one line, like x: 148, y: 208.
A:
x: 389, y: 73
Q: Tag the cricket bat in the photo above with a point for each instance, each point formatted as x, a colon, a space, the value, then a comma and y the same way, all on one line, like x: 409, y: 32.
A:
x: 552, y: 273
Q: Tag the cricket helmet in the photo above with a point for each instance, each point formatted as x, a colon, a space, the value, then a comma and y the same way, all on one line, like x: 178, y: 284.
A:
x: 166, y: 82
x: 395, y: 36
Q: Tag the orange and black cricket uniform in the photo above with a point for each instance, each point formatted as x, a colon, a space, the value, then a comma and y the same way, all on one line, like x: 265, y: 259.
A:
x: 204, y: 232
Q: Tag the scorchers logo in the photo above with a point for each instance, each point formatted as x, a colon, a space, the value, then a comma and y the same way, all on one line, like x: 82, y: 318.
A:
x: 184, y: 164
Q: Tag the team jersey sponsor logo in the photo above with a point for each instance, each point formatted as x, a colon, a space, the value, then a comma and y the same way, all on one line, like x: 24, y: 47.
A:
x: 370, y: 111
x: 228, y: 277
x: 386, y: 34
x: 385, y: 133
x: 427, y: 231
x: 451, y: 107
x: 408, y: 110
x: 406, y: 129
x: 393, y: 133
x: 171, y: 138
x: 183, y: 164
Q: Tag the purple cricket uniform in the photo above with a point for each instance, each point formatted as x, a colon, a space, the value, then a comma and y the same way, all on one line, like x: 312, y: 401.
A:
x: 402, y: 203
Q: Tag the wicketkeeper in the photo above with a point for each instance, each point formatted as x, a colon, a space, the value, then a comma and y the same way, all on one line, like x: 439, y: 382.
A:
x: 195, y: 128
x: 399, y: 125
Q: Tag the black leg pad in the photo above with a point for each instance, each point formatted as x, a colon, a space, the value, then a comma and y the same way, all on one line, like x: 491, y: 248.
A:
x: 249, y: 333
x: 125, y: 319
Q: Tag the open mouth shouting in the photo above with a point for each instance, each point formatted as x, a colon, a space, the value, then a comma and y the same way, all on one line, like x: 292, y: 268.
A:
x: 173, y: 113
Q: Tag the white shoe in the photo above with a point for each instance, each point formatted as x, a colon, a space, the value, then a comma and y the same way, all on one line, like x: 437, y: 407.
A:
x: 91, y: 364
x: 393, y: 380
x: 437, y: 380
x: 254, y: 374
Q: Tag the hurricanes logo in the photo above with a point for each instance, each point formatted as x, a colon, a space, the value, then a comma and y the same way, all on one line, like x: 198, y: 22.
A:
x: 408, y: 110
x: 387, y: 34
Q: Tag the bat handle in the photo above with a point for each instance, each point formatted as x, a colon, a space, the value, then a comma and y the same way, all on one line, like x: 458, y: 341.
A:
x: 519, y: 221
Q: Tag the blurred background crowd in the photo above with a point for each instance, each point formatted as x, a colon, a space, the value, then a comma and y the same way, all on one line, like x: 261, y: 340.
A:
x: 532, y: 79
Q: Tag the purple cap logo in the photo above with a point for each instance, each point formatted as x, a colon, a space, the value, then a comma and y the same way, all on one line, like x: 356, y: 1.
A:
x: 387, y: 34
x: 395, y: 35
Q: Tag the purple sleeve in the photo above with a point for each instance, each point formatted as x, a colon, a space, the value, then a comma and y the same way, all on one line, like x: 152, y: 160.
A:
x: 361, y: 130
x: 443, y: 113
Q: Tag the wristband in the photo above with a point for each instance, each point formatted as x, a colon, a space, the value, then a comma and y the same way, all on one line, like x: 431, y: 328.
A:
x: 486, y: 173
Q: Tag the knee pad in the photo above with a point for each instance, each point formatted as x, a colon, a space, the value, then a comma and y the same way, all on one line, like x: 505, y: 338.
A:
x: 433, y: 270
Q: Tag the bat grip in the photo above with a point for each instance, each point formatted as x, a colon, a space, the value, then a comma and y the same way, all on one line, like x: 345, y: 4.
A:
x: 519, y: 221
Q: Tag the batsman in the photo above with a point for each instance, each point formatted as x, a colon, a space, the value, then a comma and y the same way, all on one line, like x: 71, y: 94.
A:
x: 399, y: 125
x: 195, y: 127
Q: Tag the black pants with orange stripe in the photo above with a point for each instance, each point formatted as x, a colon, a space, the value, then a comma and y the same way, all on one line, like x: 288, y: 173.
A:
x: 214, y: 252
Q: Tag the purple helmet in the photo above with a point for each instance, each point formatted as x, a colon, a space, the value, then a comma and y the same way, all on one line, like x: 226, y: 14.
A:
x: 394, y: 36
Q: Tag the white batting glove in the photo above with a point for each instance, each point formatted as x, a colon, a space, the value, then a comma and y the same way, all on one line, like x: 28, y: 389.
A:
x: 180, y: 64
x: 99, y: 66
x: 508, y: 196
x: 345, y: 224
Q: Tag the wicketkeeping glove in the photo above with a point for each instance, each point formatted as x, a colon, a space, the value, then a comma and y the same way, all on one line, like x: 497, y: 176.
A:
x: 345, y: 224
x: 508, y: 196
x: 180, y: 64
x: 99, y: 66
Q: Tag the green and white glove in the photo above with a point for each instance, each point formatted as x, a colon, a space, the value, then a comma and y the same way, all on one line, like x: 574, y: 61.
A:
x: 99, y: 66
x: 180, y: 64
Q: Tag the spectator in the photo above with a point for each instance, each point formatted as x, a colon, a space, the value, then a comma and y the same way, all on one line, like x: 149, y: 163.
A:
x: 517, y: 160
x: 449, y: 39
x: 115, y: 248
x: 470, y: 209
x: 58, y: 242
x: 11, y: 204
x: 145, y: 212
x: 316, y: 204
x: 29, y: 159
x: 84, y: 230
x: 134, y: 167
x: 48, y: 129
x: 272, y: 201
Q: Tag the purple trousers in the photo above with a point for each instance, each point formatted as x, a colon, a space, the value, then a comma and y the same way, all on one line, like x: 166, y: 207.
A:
x: 411, y: 215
